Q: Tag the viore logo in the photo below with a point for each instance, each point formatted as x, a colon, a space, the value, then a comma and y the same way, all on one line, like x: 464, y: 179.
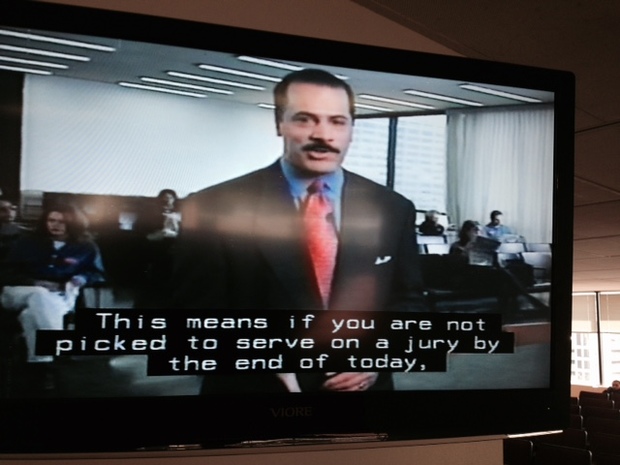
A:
x: 291, y: 412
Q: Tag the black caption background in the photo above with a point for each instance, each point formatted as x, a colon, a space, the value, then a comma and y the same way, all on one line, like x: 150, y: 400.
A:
x: 189, y: 342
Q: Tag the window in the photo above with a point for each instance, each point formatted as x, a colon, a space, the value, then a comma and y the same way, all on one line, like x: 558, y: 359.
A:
x: 610, y: 336
x: 407, y: 153
x: 368, y: 153
x: 420, y: 161
x: 595, y: 338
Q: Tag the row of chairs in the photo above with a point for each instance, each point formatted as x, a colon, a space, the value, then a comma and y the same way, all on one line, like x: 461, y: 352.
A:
x: 586, y: 395
x: 595, y: 410
x: 570, y: 447
x: 599, y: 404
x: 506, y: 247
x: 521, y: 451
x: 593, y: 402
x: 593, y: 420
x: 537, y: 255
x: 593, y: 437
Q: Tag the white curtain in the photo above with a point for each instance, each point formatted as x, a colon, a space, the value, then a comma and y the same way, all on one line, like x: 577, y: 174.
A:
x: 502, y: 159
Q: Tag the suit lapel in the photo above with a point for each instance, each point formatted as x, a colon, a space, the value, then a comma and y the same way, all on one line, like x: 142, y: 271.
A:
x: 360, y: 239
x: 279, y: 233
x: 361, y: 223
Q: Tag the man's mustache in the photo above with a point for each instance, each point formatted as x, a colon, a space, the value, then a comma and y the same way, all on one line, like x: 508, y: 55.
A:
x: 319, y: 147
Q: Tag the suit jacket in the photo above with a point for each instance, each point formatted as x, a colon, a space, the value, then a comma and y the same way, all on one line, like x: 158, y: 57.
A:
x: 242, y: 247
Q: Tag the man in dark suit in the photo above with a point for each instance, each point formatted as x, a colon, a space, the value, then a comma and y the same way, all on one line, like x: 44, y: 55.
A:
x: 246, y: 242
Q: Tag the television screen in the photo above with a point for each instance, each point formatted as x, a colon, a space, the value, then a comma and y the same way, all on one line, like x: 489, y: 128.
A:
x: 216, y: 236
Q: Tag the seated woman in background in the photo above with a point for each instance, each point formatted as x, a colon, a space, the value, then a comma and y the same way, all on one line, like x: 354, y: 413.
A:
x: 494, y: 280
x: 44, y: 271
x: 467, y: 236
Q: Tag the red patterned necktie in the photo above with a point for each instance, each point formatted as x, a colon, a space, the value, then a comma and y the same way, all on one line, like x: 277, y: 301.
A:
x: 321, y: 236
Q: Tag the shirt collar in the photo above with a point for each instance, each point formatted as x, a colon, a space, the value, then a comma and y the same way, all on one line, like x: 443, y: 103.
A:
x: 298, y: 184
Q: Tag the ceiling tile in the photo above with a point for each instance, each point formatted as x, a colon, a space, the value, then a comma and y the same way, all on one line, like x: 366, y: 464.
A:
x: 585, y: 120
x: 597, y: 220
x: 603, y: 247
x: 596, y: 285
x: 601, y: 263
x: 587, y: 192
x: 597, y: 156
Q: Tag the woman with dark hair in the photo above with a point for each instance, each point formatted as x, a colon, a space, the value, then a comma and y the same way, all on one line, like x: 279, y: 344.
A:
x: 44, y: 271
x: 487, y: 280
x: 467, y: 236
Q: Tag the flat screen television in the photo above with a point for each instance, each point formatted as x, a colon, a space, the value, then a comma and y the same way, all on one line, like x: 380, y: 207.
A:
x: 191, y: 337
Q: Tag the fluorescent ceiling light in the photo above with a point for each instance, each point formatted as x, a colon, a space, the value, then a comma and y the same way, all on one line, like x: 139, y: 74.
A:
x: 237, y: 72
x: 271, y: 63
x: 499, y: 93
x: 183, y: 85
x: 266, y: 106
x: 25, y: 70
x: 372, y: 107
x: 23, y: 61
x: 47, y: 53
x: 55, y: 40
x: 161, y: 89
x: 278, y: 64
x: 214, y: 81
x: 443, y: 98
x: 393, y: 101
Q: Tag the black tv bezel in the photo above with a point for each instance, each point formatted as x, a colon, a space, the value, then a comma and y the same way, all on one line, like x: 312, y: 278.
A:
x: 119, y: 424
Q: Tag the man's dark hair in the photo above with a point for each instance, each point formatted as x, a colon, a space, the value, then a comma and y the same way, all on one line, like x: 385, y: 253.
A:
x: 495, y: 213
x: 309, y: 76
x: 168, y: 191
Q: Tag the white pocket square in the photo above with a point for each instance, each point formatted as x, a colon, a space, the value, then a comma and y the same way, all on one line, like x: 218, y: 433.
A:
x: 382, y: 260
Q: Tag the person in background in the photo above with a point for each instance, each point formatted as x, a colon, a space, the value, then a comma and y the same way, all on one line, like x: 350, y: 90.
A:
x: 492, y: 280
x: 495, y: 229
x: 9, y: 229
x: 44, y: 271
x: 467, y: 236
x: 163, y: 219
x: 430, y: 226
x: 158, y: 228
x: 615, y: 387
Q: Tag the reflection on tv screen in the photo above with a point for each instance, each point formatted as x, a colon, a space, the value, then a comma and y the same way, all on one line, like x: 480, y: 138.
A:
x: 195, y: 190
x: 188, y: 223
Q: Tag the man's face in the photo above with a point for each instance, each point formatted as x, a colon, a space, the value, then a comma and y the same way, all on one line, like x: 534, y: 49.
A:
x: 6, y: 214
x: 13, y: 213
x: 615, y: 385
x: 56, y: 226
x: 167, y: 200
x: 316, y: 127
x: 496, y: 220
